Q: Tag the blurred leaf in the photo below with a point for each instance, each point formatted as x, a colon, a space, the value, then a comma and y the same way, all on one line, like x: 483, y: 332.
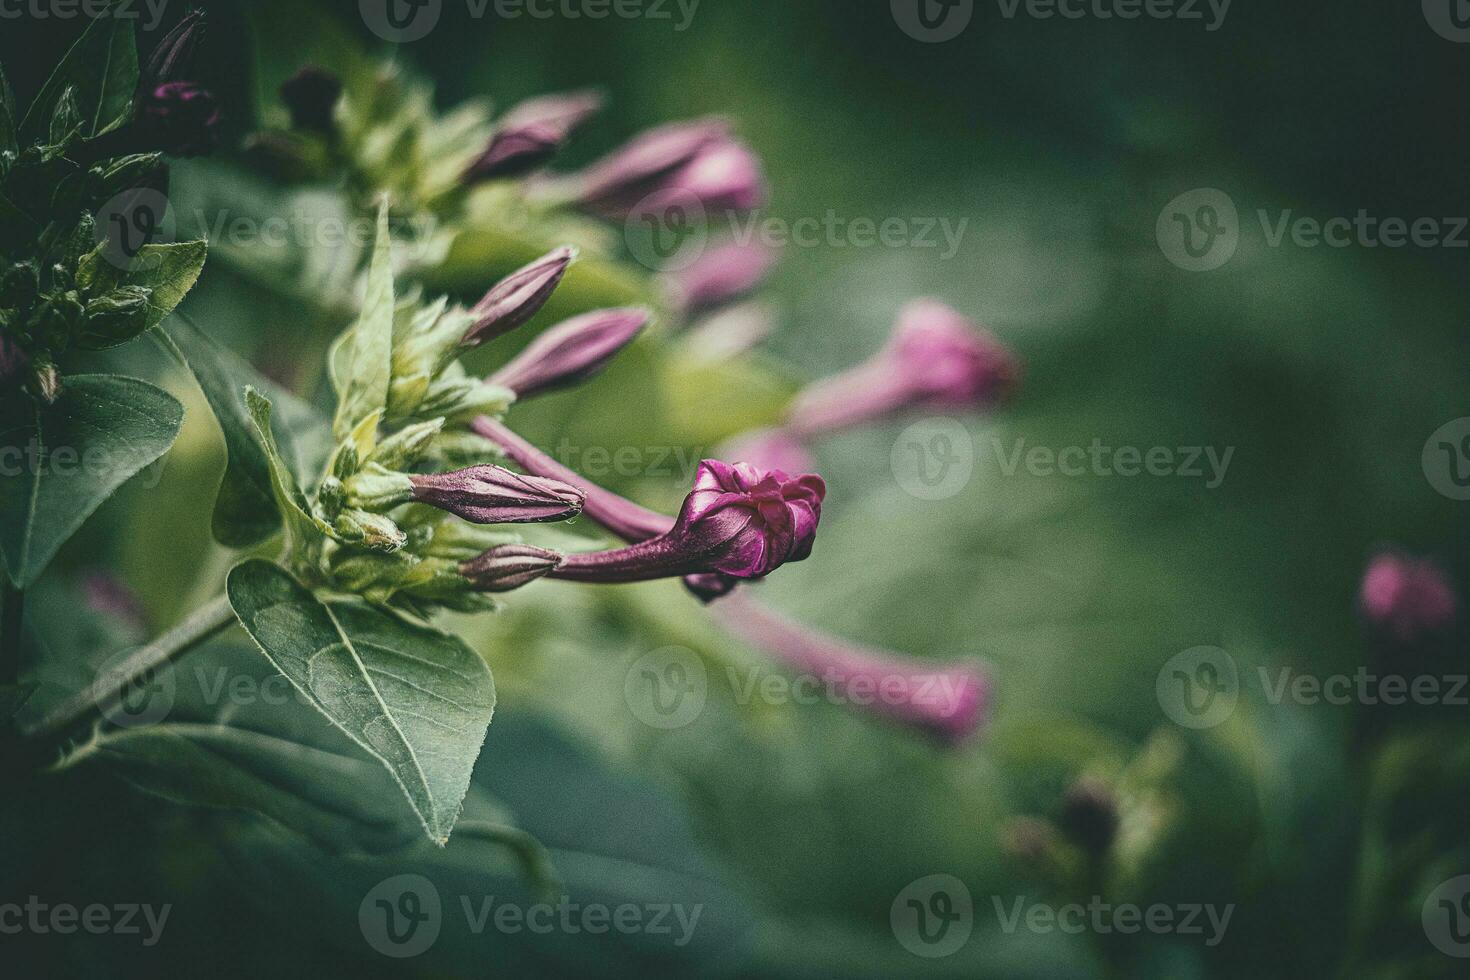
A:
x: 168, y: 270
x: 109, y: 427
x: 102, y: 69
x: 416, y: 699
x: 245, y: 510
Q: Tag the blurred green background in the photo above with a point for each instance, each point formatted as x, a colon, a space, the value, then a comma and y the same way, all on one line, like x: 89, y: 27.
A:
x: 1058, y: 142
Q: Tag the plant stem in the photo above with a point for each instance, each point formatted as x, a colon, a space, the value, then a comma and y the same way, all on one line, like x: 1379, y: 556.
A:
x: 11, y: 616
x: 203, y: 624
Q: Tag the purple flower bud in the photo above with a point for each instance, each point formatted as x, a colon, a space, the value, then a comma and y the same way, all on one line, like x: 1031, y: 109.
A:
x: 950, y: 701
x: 13, y: 363
x: 725, y: 176
x: 494, y: 495
x: 738, y: 520
x: 1089, y: 815
x: 179, y: 118
x: 720, y: 275
x: 626, y: 176
x: 571, y: 352
x: 531, y: 134
x: 508, y: 567
x: 1408, y: 597
x: 312, y: 95
x: 518, y: 297
x: 173, y: 58
x: 936, y: 360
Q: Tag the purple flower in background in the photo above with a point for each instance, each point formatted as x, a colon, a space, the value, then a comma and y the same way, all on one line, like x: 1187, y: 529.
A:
x: 1407, y: 596
x: 950, y: 701
x: 518, y: 297
x: 13, y: 363
x: 620, y: 516
x: 173, y: 57
x: 494, y: 495
x: 571, y: 352
x: 771, y: 449
x: 720, y: 275
x: 508, y: 567
x: 179, y: 118
x: 738, y: 521
x: 108, y: 596
x: 312, y: 95
x: 531, y: 134
x: 936, y: 360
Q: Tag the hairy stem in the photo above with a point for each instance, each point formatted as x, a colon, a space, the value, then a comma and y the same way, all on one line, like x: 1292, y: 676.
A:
x: 205, y: 623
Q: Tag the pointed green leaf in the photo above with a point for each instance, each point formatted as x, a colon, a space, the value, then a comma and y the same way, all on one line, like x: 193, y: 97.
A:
x: 103, y: 68
x: 416, y: 699
x: 170, y: 271
x: 367, y: 356
x: 301, y: 525
x: 245, y: 511
x: 60, y: 462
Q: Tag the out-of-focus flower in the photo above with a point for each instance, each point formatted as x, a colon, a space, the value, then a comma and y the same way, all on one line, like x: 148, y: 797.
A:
x: 518, y: 297
x: 311, y: 96
x: 508, y: 567
x: 1089, y: 815
x: 949, y: 701
x: 720, y: 275
x: 531, y: 134
x: 738, y: 521
x: 110, y: 597
x: 1409, y: 597
x: 571, y: 352
x: 13, y: 363
x: 728, y: 333
x: 494, y: 495
x: 936, y: 360
x: 771, y: 449
x: 179, y: 118
x: 173, y: 58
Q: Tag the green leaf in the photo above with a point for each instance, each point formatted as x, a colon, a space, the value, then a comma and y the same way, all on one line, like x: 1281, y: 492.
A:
x: 170, y: 271
x: 245, y: 511
x: 301, y: 525
x: 103, y: 68
x: 7, y: 116
x: 414, y: 698
x: 62, y: 461
x: 369, y: 354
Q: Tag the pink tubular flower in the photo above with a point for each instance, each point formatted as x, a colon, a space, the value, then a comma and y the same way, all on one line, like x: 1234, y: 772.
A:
x: 950, y: 701
x: 738, y: 521
x: 772, y: 449
x: 720, y: 275
x: 531, y: 134
x: 518, y: 297
x: 494, y: 495
x: 571, y: 352
x: 935, y: 360
x: 1407, y: 596
x: 508, y: 567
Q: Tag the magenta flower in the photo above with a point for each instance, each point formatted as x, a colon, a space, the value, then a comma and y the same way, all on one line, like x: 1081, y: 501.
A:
x: 508, y: 567
x: 312, y: 95
x: 936, y: 361
x: 620, y: 516
x: 1409, y: 597
x: 494, y: 495
x: 738, y: 521
x: 950, y: 701
x: 720, y: 275
x: 771, y: 449
x: 571, y: 352
x: 179, y: 118
x: 518, y: 297
x: 174, y: 55
x: 531, y: 134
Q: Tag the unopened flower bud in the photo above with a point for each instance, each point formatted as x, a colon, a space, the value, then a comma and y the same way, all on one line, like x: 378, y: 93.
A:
x: 367, y: 530
x: 720, y: 275
x: 571, y: 352
x: 494, y: 495
x: 1409, y: 597
x: 518, y: 297
x: 331, y: 497
x: 531, y: 134
x: 378, y: 488
x: 311, y: 96
x: 173, y: 58
x: 115, y: 318
x: 509, y: 567
x: 1089, y: 815
x: 179, y: 118
x: 408, y: 445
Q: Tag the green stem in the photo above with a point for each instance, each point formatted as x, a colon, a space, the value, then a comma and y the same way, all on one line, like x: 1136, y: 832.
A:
x: 205, y: 623
x: 12, y: 614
